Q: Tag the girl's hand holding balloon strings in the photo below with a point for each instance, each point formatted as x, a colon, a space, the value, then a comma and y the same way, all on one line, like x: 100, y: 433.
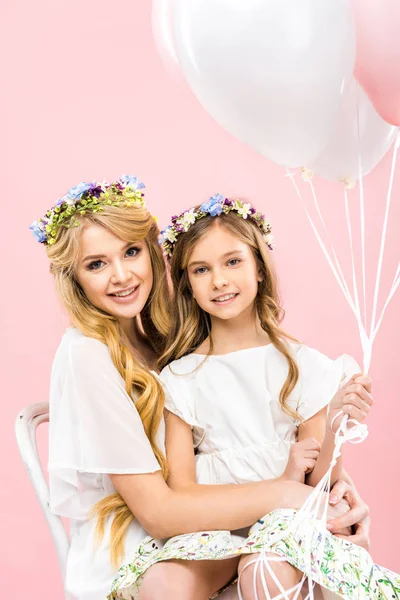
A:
x: 354, y: 399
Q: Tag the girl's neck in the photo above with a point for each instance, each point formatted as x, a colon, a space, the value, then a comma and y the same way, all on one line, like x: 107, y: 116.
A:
x: 234, y: 334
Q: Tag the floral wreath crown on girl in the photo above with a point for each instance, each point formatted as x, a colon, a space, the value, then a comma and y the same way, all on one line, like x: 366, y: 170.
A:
x: 87, y: 197
x: 214, y: 207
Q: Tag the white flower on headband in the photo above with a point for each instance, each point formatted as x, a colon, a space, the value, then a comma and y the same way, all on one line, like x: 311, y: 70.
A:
x: 187, y: 219
x: 169, y: 234
x: 243, y: 209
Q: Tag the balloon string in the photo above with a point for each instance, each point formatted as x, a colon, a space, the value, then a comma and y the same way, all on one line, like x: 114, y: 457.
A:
x: 365, y: 342
x: 362, y: 212
x: 353, y: 265
x: 384, y: 232
x: 345, y: 291
x: 339, y: 269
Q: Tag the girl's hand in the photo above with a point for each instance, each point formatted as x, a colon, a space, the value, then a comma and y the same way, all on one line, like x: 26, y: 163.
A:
x: 354, y: 399
x: 302, y: 458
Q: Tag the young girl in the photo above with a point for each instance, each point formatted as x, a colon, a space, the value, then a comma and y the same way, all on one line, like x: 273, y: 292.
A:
x: 241, y: 392
x: 106, y: 401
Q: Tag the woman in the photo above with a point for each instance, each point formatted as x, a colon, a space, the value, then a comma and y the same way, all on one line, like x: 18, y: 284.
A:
x: 106, y: 403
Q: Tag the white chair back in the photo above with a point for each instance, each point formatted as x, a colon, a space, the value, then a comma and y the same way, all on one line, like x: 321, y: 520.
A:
x: 25, y: 430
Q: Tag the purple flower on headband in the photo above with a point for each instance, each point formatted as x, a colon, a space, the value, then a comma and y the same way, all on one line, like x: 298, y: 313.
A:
x: 131, y: 181
x: 38, y: 232
x: 96, y: 191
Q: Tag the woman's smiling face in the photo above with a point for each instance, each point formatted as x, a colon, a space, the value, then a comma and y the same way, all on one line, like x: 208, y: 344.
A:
x: 115, y: 276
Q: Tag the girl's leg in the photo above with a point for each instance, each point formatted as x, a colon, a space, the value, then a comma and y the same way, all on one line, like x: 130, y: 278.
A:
x: 287, y: 575
x: 187, y: 579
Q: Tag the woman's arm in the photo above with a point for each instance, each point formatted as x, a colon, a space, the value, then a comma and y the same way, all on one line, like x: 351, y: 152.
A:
x: 165, y: 513
x: 186, y: 506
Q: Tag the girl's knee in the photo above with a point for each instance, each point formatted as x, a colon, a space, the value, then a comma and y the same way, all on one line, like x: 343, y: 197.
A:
x: 253, y: 574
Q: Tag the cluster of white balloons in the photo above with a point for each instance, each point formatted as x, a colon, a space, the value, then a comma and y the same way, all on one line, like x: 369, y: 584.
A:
x: 278, y: 75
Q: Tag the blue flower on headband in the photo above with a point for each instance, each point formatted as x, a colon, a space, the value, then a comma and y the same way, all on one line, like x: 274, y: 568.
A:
x: 131, y: 181
x: 214, y: 206
x: 77, y: 192
x: 38, y: 232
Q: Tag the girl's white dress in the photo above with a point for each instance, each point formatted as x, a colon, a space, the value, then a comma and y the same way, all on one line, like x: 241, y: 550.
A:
x: 232, y: 404
x: 241, y: 434
x: 95, y: 430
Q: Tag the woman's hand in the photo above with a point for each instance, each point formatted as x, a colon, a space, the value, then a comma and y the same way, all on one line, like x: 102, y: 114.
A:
x: 356, y: 517
x: 354, y: 399
x: 302, y: 458
x: 336, y: 511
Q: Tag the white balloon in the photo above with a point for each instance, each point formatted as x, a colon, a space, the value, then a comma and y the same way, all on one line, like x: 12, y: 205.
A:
x: 162, y: 26
x: 272, y: 72
x: 368, y: 136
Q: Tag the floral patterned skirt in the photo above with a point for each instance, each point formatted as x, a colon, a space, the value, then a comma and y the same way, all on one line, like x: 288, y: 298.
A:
x: 333, y: 563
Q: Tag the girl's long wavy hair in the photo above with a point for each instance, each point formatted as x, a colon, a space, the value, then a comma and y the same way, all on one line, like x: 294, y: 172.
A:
x: 131, y: 224
x: 192, y: 325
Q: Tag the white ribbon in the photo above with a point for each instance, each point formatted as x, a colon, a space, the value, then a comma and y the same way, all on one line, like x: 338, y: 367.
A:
x: 367, y: 335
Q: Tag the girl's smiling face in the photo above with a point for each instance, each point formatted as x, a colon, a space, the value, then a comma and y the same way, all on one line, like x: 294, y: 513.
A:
x: 223, y: 274
x: 115, y: 276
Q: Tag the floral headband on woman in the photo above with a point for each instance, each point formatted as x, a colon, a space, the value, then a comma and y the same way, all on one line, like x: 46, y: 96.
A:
x: 87, y: 197
x: 214, y: 207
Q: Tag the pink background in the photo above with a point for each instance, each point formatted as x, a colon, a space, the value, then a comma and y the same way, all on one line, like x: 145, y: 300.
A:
x: 85, y: 96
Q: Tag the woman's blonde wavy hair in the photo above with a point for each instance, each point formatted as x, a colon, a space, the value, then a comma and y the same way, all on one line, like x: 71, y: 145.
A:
x: 192, y: 325
x: 130, y: 224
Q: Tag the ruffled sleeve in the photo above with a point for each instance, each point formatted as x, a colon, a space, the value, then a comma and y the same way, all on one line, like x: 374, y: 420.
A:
x: 94, y: 425
x: 180, y: 390
x: 320, y: 378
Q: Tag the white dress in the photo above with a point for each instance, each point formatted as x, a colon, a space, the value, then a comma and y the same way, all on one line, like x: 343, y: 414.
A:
x: 241, y: 434
x: 95, y: 430
x: 231, y: 401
